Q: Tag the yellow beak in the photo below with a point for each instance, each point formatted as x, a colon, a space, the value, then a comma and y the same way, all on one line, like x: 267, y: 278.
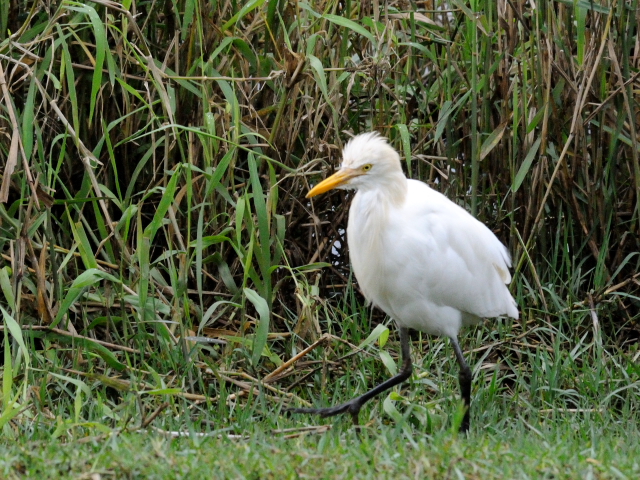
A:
x: 339, y: 178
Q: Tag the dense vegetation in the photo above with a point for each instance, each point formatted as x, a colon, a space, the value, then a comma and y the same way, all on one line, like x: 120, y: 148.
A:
x: 161, y: 266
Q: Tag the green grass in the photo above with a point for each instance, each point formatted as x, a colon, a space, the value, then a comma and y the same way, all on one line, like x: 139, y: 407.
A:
x: 555, y: 449
x: 154, y: 160
x: 565, y: 408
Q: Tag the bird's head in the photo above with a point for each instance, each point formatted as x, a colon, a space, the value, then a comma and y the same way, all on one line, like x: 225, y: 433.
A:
x: 368, y: 161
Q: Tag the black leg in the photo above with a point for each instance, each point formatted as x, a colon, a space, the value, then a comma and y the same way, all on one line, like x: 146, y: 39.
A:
x: 354, y: 405
x: 465, y: 383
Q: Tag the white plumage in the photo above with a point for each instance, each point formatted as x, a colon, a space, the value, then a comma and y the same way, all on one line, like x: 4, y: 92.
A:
x: 419, y: 257
x: 422, y: 259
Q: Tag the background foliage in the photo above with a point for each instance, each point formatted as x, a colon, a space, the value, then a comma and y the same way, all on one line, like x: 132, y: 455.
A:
x: 158, y: 251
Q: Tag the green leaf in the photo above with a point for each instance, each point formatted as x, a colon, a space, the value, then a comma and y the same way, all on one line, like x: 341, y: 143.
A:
x: 252, y: 5
x: 144, y: 247
x: 263, y: 253
x: 587, y: 5
x: 187, y: 18
x: 311, y: 267
x: 536, y: 120
x: 78, y: 383
x: 9, y: 407
x: 99, y: 32
x: 384, y: 336
x: 526, y: 164
x: 319, y: 74
x: 16, y: 333
x: 86, y: 252
x: 71, y: 80
x: 84, y: 280
x: 350, y: 24
x: 28, y: 120
x: 161, y: 391
x: 445, y: 111
x: 375, y: 335
x: 391, y: 410
x: 406, y: 144
x: 262, y: 330
x: 211, y: 310
x: 492, y: 140
x: 5, y: 286
x: 223, y: 44
x: 167, y: 200
x: 388, y: 362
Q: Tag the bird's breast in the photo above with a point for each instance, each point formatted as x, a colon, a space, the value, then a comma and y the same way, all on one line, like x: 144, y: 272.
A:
x: 368, y: 239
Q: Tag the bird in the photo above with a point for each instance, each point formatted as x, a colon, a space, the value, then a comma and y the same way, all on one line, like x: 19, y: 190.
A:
x: 419, y: 257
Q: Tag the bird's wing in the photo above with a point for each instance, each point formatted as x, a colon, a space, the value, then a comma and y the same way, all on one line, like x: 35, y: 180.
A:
x: 446, y: 257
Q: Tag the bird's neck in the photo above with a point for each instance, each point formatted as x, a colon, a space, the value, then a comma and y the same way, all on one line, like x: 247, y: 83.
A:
x: 390, y: 191
x: 371, y: 206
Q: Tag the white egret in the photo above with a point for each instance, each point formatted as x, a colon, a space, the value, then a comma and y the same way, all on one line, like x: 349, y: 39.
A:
x: 422, y: 259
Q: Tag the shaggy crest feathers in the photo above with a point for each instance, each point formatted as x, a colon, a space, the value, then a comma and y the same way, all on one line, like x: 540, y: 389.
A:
x: 368, y: 147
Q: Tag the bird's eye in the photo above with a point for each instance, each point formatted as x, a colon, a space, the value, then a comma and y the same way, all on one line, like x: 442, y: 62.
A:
x: 367, y: 167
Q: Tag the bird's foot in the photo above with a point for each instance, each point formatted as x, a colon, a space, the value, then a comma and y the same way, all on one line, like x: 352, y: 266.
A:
x: 352, y: 407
